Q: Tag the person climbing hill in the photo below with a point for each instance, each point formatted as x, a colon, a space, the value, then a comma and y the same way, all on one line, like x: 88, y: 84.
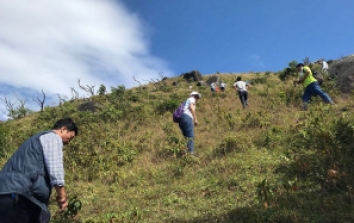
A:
x: 189, y: 119
x: 312, y: 87
x: 241, y: 87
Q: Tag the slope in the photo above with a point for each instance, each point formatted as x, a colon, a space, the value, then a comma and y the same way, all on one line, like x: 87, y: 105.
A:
x: 268, y: 163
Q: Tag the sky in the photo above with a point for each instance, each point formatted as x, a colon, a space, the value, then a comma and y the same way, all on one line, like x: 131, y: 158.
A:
x: 50, y: 44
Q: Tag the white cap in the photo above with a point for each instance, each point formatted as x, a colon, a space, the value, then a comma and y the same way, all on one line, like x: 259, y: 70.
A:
x: 196, y: 93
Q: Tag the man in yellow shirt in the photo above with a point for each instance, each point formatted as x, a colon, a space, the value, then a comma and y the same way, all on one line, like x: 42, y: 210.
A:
x: 312, y: 88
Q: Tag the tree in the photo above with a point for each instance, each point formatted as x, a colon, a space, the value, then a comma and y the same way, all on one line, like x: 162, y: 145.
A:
x: 157, y: 82
x: 88, y: 88
x: 9, y: 107
x: 74, y: 94
x: 289, y: 71
x: 21, y: 110
x: 102, y: 90
x: 40, y: 102
x: 61, y: 99
x: 307, y: 61
x: 119, y: 91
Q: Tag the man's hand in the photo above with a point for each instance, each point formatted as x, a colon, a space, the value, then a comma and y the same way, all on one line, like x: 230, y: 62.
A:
x: 62, y: 203
x: 62, y: 199
x: 195, y: 122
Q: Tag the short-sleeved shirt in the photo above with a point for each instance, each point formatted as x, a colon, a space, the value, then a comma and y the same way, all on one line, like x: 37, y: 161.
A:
x: 186, y: 108
x: 241, y: 85
x: 324, y: 65
x: 310, y: 78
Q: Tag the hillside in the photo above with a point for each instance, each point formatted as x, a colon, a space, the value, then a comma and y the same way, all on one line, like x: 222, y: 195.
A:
x: 268, y: 163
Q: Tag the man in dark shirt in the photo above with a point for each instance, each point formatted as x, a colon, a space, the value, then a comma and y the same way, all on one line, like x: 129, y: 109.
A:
x: 30, y: 174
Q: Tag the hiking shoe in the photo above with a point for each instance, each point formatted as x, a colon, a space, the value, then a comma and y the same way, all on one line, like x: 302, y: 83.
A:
x: 192, y: 155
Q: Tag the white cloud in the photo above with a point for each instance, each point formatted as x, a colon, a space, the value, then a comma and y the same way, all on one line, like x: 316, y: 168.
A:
x: 49, y: 44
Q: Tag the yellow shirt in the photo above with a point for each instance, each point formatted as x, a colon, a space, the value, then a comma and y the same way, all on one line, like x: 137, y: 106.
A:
x: 309, y: 79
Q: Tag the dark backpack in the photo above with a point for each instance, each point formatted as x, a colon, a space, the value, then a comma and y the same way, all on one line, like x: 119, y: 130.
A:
x: 318, y: 76
x: 177, y: 114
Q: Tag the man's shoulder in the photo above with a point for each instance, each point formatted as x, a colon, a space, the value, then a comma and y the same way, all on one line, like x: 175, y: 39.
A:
x: 50, y: 135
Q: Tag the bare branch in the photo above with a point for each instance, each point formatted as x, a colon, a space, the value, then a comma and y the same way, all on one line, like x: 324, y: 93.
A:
x: 61, y: 100
x: 21, y: 101
x: 74, y: 93
x: 39, y: 101
x: 89, y: 88
x: 157, y: 82
x: 140, y: 85
x: 9, y: 107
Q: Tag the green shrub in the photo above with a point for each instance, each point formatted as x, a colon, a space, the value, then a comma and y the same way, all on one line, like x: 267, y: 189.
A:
x: 167, y: 106
x: 290, y: 71
x: 102, y: 90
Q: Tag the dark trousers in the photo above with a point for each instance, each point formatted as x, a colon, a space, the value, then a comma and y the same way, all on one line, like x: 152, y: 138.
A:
x: 17, y: 209
x: 243, y: 98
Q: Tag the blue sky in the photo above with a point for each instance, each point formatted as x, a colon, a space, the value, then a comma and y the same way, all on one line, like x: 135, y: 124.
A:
x: 50, y: 44
x: 245, y: 35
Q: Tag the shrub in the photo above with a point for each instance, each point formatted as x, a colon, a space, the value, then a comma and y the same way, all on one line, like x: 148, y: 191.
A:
x: 4, y: 134
x: 102, y: 90
x: 289, y: 71
x: 118, y: 92
x: 229, y: 144
x: 167, y: 106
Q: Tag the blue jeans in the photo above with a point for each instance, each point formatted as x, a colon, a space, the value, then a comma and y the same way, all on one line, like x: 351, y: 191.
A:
x: 186, y: 125
x: 314, y: 89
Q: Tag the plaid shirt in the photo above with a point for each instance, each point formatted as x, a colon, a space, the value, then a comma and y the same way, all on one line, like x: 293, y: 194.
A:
x: 53, y: 157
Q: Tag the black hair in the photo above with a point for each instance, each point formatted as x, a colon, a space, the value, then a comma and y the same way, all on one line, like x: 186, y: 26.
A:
x: 68, y: 123
x: 299, y: 65
x: 238, y: 78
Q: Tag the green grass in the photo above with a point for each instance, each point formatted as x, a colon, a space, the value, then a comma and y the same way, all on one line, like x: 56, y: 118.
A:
x: 268, y: 163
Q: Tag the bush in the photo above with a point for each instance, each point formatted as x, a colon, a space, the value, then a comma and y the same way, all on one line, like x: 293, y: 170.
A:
x: 4, y: 134
x: 229, y: 144
x: 102, y: 90
x: 167, y: 106
x: 289, y: 71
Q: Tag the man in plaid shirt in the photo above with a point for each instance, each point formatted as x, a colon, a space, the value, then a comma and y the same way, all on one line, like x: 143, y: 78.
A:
x: 30, y: 174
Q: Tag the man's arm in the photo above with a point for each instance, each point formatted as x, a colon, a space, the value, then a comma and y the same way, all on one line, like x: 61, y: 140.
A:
x: 192, y: 109
x: 306, y: 74
x: 61, y: 198
x: 53, y: 158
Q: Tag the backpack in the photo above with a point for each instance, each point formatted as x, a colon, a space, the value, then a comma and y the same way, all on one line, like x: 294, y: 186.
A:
x: 177, y: 114
x: 317, y: 75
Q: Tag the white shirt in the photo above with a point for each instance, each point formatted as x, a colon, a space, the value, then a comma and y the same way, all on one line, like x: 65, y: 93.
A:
x: 186, y: 108
x: 324, y: 65
x: 222, y: 84
x: 241, y: 85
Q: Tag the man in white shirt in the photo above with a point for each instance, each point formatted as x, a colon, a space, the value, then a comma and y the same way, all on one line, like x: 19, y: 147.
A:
x: 324, y: 68
x: 241, y: 87
x: 222, y: 86
x: 324, y: 65
x: 212, y: 87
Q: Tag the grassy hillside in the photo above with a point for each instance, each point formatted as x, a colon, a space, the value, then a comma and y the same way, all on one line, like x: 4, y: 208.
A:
x: 268, y: 163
